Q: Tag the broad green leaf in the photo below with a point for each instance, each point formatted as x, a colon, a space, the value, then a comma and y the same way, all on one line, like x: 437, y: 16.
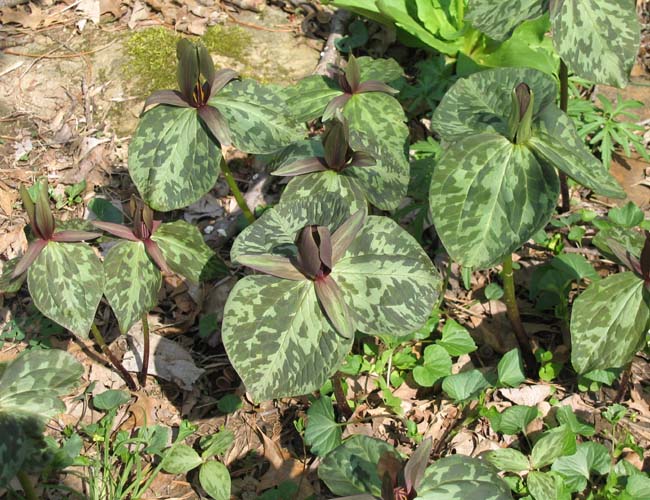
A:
x: 513, y: 420
x: 482, y: 102
x: 511, y: 369
x: 499, y: 19
x: 7, y: 283
x: 309, y: 185
x: 110, y: 399
x: 489, y: 196
x: 458, y: 477
x: 553, y: 444
x: 629, y: 215
x: 66, y: 282
x: 455, y: 339
x: 34, y: 381
x: 105, y: 211
x: 16, y: 445
x: 186, y: 253
x: 436, y: 365
x: 173, y: 159
x: 382, y: 70
x: 465, y: 385
x: 546, y: 486
x: 278, y: 339
x: 565, y: 415
x: 575, y: 266
x: 387, y: 280
x: 632, y: 241
x: 323, y: 433
x: 180, y: 459
x: 555, y: 140
x: 637, y: 488
x: 132, y: 282
x: 216, y: 444
x: 256, y: 116
x: 310, y: 96
x: 215, y: 480
x: 589, y: 458
x: 598, y: 39
x: 609, y: 322
x: 508, y: 459
x: 351, y: 468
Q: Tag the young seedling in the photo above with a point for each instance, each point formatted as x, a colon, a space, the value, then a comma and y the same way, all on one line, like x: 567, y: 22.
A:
x: 327, y: 274
x: 175, y: 154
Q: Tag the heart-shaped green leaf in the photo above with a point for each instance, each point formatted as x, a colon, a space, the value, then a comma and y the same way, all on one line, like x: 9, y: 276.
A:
x: 66, y: 283
x: 609, y: 322
x: 598, y: 39
x: 465, y: 385
x: 576, y: 469
x: 488, y: 196
x: 185, y: 252
x: 436, y: 364
x: 323, y: 432
x: 499, y: 19
x: 511, y: 369
x: 458, y: 477
x: 173, y: 159
x: 132, y: 282
x: 455, y: 339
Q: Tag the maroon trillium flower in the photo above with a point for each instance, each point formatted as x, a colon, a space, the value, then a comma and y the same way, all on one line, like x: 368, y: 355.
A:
x: 337, y: 155
x: 144, y: 226
x: 194, y: 61
x: 351, y: 84
x: 399, y: 481
x: 43, y: 226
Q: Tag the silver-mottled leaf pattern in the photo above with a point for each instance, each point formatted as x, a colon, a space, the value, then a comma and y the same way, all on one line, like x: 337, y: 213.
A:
x: 132, y: 282
x: 173, y: 159
x: 66, y: 283
x: 609, y: 322
x: 488, y: 196
x: 499, y: 19
x: 315, y: 184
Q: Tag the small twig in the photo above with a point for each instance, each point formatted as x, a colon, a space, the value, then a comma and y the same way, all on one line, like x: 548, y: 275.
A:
x: 338, y: 24
x: 145, y: 351
x: 50, y: 55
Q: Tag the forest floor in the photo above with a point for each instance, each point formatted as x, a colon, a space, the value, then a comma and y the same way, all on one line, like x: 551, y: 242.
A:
x: 73, y: 78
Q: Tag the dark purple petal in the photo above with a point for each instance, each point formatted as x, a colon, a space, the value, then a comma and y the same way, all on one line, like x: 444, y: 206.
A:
x: 220, y: 80
x: 331, y: 299
x: 353, y: 73
x: 335, y: 145
x: 33, y: 251
x: 626, y: 258
x: 43, y: 214
x: 417, y: 464
x: 206, y: 66
x: 118, y: 230
x: 187, y: 70
x: 346, y: 233
x: 71, y: 236
x: 375, y: 86
x: 362, y: 159
x: 28, y: 204
x: 216, y: 123
x: 274, y: 265
x: 170, y: 97
x: 304, y: 166
x: 147, y: 218
x: 153, y: 250
x: 325, y: 247
x: 308, y: 259
x: 645, y: 258
x: 334, y: 106
x: 522, y: 92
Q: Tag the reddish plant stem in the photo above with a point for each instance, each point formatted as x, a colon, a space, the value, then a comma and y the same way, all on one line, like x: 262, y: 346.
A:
x: 564, y: 106
x: 99, y: 338
x: 145, y: 351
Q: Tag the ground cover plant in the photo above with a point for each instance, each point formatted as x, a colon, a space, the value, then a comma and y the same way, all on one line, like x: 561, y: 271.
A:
x: 425, y: 292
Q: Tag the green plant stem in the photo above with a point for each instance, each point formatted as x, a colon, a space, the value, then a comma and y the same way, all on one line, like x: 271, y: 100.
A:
x: 515, y: 319
x: 234, y: 189
x: 99, y: 338
x: 339, y: 394
x: 28, y: 487
x: 564, y: 106
x: 145, y: 351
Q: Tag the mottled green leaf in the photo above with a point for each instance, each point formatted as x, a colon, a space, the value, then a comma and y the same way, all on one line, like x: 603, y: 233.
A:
x: 609, y: 322
x: 489, y: 196
x: 546, y: 486
x: 482, y: 102
x: 256, y: 116
x: 598, y: 39
x: 508, y: 459
x: 589, y: 458
x: 173, y: 159
x: 323, y: 433
x: 309, y: 185
x: 351, y: 468
x: 15, y: 445
x: 387, y: 280
x: 132, y: 282
x: 457, y: 477
x: 215, y: 480
x: 7, y: 283
x: 66, y: 283
x: 499, y: 19
x: 465, y: 385
x: 555, y: 140
x: 180, y: 459
x: 511, y: 369
x: 310, y: 96
x: 186, y: 253
x: 278, y: 339
x: 553, y: 444
x: 382, y: 70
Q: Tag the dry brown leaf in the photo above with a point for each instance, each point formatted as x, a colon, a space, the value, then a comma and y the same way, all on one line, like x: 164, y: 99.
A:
x: 529, y: 395
x: 21, y: 15
x: 491, y: 326
x: 7, y: 199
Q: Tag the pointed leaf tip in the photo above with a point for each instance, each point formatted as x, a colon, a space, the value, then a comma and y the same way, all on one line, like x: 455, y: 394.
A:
x: 417, y: 464
x: 275, y: 265
x: 187, y: 70
x: 346, y: 233
x: 353, y: 73
x: 71, y: 236
x: 33, y: 251
x: 331, y: 299
x: 28, y: 203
